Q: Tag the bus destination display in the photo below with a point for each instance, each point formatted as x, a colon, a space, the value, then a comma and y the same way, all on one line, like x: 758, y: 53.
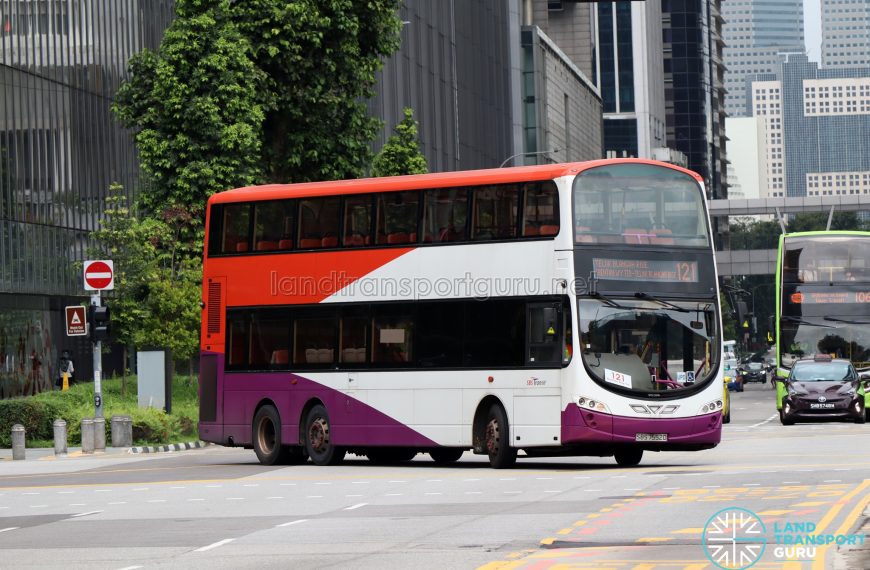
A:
x: 661, y: 271
x: 829, y: 297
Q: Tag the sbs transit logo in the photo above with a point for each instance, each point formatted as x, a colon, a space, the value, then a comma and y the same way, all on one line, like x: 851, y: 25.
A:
x: 734, y: 539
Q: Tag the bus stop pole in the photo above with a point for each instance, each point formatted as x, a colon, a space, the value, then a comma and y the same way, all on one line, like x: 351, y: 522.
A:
x: 98, y: 366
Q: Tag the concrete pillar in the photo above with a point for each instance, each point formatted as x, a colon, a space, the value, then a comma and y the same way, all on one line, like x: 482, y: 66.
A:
x: 59, y: 437
x: 18, y: 441
x: 100, y: 435
x: 122, y: 431
x: 87, y: 435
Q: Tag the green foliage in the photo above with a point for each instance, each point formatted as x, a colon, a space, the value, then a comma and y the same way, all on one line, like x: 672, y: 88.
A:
x: 195, y: 106
x: 36, y: 417
x: 754, y: 234
x: 157, y: 276
x: 729, y: 328
x: 818, y: 221
x: 401, y: 153
x: 320, y: 58
x: 150, y: 426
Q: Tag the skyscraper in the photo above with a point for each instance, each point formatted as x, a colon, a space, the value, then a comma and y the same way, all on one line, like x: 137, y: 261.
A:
x: 845, y: 33
x: 756, y: 32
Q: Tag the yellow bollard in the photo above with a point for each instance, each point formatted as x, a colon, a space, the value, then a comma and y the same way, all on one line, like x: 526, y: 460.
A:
x: 65, y: 386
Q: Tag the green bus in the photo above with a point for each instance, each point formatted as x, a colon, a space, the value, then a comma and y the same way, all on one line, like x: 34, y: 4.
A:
x: 822, y: 301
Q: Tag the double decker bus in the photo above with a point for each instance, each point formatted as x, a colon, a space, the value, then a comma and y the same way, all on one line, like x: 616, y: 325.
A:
x: 566, y: 309
x: 823, y: 300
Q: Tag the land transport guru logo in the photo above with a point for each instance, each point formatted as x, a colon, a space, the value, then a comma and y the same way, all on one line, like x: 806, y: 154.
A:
x: 736, y: 538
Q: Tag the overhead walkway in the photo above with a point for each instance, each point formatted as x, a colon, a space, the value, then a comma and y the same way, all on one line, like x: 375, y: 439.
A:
x: 763, y: 262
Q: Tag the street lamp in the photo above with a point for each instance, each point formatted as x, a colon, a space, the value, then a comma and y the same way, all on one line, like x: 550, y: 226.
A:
x: 554, y: 151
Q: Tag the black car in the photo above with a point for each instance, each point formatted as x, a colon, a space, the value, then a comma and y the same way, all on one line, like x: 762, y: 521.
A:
x: 753, y: 371
x: 822, y: 387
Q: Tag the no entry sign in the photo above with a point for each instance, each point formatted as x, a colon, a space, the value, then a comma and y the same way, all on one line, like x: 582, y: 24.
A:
x: 99, y: 275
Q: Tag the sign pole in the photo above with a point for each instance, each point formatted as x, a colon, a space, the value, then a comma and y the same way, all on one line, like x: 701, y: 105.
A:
x: 98, y: 366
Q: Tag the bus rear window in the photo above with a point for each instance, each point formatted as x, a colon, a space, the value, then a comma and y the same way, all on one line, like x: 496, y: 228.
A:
x: 236, y: 228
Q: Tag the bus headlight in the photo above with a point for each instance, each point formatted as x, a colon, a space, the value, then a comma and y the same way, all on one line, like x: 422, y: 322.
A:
x: 594, y: 405
x: 714, y: 406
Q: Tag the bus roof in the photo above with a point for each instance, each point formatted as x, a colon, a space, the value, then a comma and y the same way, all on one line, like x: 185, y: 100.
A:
x: 826, y: 233
x: 423, y: 181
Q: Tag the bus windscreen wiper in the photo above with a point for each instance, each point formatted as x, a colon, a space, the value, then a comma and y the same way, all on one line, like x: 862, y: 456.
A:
x: 800, y: 321
x: 609, y: 302
x: 668, y: 304
x: 847, y: 321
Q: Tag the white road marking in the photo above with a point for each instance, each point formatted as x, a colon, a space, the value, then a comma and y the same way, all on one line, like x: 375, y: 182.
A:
x: 102, y: 491
x: 118, y: 503
x: 752, y: 484
x: 508, y: 479
x: 77, y: 504
x: 433, y: 493
x: 468, y: 480
x: 235, y: 498
x: 65, y: 492
x: 214, y: 545
x: 9, y: 528
x: 288, y: 484
x: 291, y: 523
x: 192, y: 500
x: 473, y: 492
x: 356, y: 506
x: 582, y: 477
x: 85, y: 514
x: 832, y: 481
x: 360, y: 482
x: 791, y: 482
x: 512, y: 492
x: 394, y: 494
x: 209, y: 487
x: 397, y: 481
x: 593, y: 490
x: 349, y: 496
x: 130, y: 567
x: 323, y: 483
x: 671, y: 488
x: 274, y: 497
x: 552, y: 491
x: 178, y: 487
x: 141, y: 489
x: 314, y: 497
x: 251, y: 485
x: 31, y: 493
x: 433, y: 480
x: 619, y: 476
x: 157, y: 500
x: 544, y: 478
x: 770, y: 419
x: 38, y: 506
x: 712, y: 486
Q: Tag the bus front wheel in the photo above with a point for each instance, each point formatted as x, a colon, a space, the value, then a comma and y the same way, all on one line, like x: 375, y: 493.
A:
x: 501, y: 454
x: 318, y: 438
x: 628, y: 457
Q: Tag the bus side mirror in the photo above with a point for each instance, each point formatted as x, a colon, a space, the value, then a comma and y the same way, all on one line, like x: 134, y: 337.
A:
x: 864, y: 377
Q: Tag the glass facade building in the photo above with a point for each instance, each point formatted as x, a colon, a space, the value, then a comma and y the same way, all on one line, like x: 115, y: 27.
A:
x: 60, y: 148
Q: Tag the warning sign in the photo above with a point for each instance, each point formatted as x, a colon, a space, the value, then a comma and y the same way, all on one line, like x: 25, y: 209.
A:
x: 76, y: 325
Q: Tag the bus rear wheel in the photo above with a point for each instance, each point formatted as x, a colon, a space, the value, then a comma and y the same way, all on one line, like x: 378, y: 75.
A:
x: 266, y: 435
x: 318, y: 438
x: 496, y: 439
x: 446, y: 454
x: 628, y: 457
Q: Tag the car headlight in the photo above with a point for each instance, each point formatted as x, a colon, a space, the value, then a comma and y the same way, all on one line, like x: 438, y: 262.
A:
x: 713, y: 406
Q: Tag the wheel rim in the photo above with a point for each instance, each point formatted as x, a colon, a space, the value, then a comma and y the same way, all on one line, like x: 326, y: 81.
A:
x: 266, y: 435
x: 493, y: 437
x: 318, y: 435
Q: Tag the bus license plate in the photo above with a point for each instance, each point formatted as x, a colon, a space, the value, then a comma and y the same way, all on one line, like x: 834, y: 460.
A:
x: 651, y: 437
x: 821, y: 406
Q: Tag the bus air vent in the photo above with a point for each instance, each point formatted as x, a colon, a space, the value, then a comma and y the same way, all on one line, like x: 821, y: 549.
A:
x: 214, y: 307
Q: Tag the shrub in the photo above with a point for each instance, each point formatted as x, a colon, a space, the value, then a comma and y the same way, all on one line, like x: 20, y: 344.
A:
x: 36, y: 416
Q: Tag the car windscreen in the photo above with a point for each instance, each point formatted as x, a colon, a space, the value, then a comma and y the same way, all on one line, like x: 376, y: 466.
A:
x: 821, y: 372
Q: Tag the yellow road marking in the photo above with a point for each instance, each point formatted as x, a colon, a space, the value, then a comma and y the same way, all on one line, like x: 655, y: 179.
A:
x: 580, y: 523
x: 548, y: 541
x: 566, y: 531
x: 593, y: 515
x: 848, y: 522
x: 775, y: 512
x: 811, y: 503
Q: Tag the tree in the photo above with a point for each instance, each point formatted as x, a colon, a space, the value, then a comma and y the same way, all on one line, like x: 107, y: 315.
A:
x: 818, y: 221
x: 401, y: 153
x: 196, y: 106
x: 319, y: 58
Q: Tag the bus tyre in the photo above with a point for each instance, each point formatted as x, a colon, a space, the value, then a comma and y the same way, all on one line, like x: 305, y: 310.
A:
x: 726, y: 418
x: 446, y: 454
x: 318, y: 442
x: 501, y: 454
x: 628, y: 457
x: 266, y: 435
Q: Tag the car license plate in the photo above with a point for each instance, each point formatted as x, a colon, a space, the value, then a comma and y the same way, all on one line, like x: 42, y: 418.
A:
x: 651, y: 437
x: 821, y: 406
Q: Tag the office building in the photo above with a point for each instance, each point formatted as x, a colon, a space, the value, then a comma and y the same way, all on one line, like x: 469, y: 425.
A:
x: 817, y: 121
x: 756, y: 32
x: 747, y: 157
x: 845, y: 33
